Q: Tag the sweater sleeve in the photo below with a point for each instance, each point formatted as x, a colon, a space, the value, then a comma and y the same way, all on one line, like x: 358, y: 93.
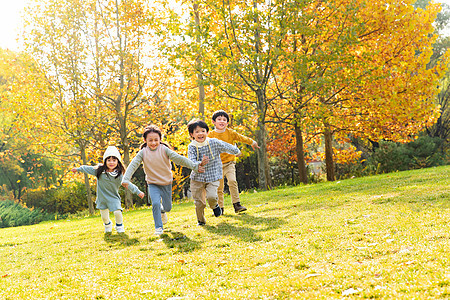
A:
x: 87, y: 169
x: 240, y: 138
x: 181, y: 160
x: 133, y: 188
x: 134, y: 165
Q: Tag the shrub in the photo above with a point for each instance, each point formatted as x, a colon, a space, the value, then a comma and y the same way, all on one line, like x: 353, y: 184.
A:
x: 390, y: 157
x: 37, y: 198
x: 420, y: 153
x: 13, y: 214
x: 67, y: 199
x: 425, y: 153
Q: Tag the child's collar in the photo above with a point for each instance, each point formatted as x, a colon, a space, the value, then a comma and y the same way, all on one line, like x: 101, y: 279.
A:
x: 220, y: 131
x: 206, y: 142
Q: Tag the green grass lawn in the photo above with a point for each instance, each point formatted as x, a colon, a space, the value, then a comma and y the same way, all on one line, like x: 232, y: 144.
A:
x: 386, y: 236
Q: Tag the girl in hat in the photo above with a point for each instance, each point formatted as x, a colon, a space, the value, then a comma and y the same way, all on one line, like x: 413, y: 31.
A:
x: 109, y: 177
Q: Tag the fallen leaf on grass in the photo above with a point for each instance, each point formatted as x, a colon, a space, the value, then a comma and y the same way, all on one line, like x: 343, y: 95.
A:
x: 312, y: 275
x: 181, y: 261
x: 409, y: 262
x: 6, y: 275
x: 351, y: 291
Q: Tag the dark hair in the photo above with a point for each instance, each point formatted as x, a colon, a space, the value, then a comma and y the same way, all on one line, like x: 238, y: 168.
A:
x: 150, y: 129
x: 220, y: 113
x: 102, y: 168
x: 197, y: 123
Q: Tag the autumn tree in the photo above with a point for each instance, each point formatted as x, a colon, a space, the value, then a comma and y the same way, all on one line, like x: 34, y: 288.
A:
x: 336, y: 49
x: 397, y: 52
x: 99, y: 59
x: 23, y: 162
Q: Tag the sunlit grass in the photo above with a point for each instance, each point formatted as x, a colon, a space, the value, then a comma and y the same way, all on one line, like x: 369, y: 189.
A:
x: 385, y: 236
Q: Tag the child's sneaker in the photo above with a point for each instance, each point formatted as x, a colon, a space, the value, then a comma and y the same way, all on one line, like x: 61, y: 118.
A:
x: 159, y: 231
x: 120, y: 228
x: 164, y: 218
x: 108, y: 227
x: 217, y: 211
x: 200, y: 223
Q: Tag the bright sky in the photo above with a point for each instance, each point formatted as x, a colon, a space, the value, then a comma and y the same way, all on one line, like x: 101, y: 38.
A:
x: 10, y: 22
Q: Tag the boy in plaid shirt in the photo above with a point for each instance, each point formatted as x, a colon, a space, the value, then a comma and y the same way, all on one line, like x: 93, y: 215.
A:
x: 204, y: 185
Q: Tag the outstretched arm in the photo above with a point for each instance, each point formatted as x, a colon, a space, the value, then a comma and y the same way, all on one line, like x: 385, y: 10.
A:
x: 181, y: 160
x: 228, y: 148
x: 85, y: 169
x: 133, y: 188
x: 134, y: 165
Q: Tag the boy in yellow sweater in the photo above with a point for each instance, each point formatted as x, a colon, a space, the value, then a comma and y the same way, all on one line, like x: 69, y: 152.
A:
x: 220, y: 120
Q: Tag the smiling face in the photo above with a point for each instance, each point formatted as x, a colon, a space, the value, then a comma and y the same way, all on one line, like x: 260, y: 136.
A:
x: 111, y: 163
x: 220, y: 123
x: 153, y: 140
x: 199, y: 134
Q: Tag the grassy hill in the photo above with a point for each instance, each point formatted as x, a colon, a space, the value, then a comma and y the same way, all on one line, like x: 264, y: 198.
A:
x: 386, y: 236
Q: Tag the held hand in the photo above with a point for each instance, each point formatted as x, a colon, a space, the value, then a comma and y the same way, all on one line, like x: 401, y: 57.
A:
x: 74, y: 170
x: 125, y: 185
x: 141, y: 194
x: 205, y: 160
x: 255, y: 145
x: 201, y: 169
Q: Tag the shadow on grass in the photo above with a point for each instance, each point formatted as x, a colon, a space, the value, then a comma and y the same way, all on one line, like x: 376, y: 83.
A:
x: 175, y: 239
x: 246, y: 233
x: 121, y: 239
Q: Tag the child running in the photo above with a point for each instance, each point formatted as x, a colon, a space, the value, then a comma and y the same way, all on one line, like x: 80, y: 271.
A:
x: 205, y: 185
x: 156, y: 157
x: 221, y: 131
x: 109, y: 177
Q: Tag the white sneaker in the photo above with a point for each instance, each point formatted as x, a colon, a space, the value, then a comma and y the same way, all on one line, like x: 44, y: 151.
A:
x: 120, y: 229
x: 164, y: 218
x: 108, y: 228
x: 159, y: 231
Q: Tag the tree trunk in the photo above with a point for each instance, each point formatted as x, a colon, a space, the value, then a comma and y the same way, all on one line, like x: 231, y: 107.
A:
x: 300, y: 154
x: 329, y: 153
x: 86, y: 181
x: 261, y: 139
x: 126, y: 160
x: 198, y: 63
